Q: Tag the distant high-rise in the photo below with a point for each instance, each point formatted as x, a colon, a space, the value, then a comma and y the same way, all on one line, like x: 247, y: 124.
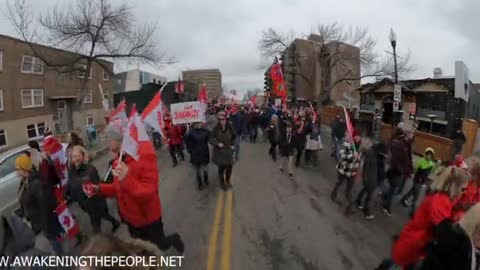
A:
x: 211, y: 77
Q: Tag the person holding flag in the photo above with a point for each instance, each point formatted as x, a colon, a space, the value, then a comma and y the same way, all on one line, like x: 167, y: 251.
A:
x: 347, y: 168
x: 135, y: 184
x: 38, y: 202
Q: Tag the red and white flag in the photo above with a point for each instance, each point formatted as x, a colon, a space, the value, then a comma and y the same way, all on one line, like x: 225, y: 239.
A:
x: 135, y: 139
x: 314, y: 114
x: 203, y: 94
x: 67, y: 221
x: 180, y: 87
x: 57, y: 153
x: 253, y: 101
x: 119, y: 112
x: 154, y: 113
x: 350, y: 128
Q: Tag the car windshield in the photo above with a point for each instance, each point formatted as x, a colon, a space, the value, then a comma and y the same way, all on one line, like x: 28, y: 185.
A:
x: 8, y: 165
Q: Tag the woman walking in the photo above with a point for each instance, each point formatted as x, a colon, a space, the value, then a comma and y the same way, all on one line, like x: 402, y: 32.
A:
x: 313, y: 143
x: 197, y: 145
x: 223, y: 142
x: 81, y: 172
x: 38, y: 202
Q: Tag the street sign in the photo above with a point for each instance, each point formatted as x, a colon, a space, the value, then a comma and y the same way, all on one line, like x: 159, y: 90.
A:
x: 397, y: 93
x: 395, y: 106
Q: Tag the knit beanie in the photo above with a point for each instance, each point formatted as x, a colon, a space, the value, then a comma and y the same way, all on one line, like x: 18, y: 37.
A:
x: 23, y: 162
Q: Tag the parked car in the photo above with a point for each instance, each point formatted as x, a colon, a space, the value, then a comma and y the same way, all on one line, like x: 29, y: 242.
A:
x: 9, y: 180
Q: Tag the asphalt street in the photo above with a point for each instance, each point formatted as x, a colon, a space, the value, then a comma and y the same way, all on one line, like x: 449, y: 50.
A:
x: 267, y: 221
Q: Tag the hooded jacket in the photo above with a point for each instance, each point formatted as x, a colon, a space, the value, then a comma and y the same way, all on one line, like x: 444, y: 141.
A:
x: 197, y: 145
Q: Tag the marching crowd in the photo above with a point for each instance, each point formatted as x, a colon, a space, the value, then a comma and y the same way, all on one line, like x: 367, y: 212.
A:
x: 443, y: 232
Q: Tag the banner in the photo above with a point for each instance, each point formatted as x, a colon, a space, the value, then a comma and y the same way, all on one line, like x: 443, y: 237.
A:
x: 187, y: 112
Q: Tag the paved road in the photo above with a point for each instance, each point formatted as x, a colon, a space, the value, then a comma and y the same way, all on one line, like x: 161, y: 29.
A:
x: 268, y: 221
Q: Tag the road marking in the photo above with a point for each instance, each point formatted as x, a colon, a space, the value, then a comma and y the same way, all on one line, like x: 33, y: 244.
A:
x: 212, y: 244
x: 227, y: 233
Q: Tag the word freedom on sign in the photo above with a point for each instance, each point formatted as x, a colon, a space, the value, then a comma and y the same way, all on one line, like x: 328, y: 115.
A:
x: 90, y: 261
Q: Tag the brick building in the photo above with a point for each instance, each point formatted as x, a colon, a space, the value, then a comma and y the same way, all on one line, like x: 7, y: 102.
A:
x: 32, y: 97
x: 211, y: 77
x: 314, y: 71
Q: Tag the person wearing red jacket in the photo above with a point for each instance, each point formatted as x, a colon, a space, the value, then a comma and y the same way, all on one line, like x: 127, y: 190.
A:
x: 472, y: 195
x: 408, y: 249
x: 135, y: 186
x: 174, y: 136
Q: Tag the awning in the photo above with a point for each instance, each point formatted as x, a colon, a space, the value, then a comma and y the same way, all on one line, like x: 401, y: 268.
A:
x: 62, y: 97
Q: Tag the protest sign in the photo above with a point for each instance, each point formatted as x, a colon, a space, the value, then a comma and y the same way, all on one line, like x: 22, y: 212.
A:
x: 187, y: 112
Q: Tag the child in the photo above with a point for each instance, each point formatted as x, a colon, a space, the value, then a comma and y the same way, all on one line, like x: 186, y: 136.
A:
x: 423, y: 168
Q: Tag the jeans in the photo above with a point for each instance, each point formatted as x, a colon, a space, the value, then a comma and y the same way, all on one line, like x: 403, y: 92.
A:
x: 395, y: 184
x: 201, y: 170
x: 224, y: 174
x: 286, y: 164
x: 154, y: 233
x: 367, y: 194
x: 237, y: 147
x: 176, y: 149
x: 273, y: 151
x: 253, y: 134
x: 338, y: 147
x: 298, y: 157
x: 348, y: 190
x: 414, y: 192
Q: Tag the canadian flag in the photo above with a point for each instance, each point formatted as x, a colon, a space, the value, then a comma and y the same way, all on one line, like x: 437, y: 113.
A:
x: 135, y: 139
x: 203, y: 94
x: 67, y: 221
x: 154, y: 112
x: 57, y: 153
x: 119, y: 112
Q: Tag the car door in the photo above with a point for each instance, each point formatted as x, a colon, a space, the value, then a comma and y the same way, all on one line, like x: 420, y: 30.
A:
x: 9, y: 181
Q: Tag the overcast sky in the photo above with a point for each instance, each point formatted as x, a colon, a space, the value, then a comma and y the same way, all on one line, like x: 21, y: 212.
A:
x: 224, y: 33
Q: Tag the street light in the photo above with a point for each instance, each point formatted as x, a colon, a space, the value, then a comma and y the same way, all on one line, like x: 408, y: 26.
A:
x: 393, y: 42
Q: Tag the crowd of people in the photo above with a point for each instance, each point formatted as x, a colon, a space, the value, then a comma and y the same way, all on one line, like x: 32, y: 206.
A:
x: 443, y: 232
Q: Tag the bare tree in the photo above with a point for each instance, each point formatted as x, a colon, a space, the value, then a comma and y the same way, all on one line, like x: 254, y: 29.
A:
x: 328, y: 52
x: 94, y: 30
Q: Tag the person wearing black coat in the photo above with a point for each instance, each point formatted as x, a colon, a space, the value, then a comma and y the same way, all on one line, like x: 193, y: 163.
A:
x: 299, y: 140
x: 196, y: 141
x: 286, y: 147
x: 38, y: 202
x: 373, y: 174
x: 81, y: 172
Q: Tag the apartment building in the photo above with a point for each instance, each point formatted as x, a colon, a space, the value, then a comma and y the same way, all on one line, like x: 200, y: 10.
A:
x: 33, y: 97
x: 133, y: 80
x: 211, y: 77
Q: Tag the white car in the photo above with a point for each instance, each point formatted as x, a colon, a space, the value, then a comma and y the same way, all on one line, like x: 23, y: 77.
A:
x: 9, y: 180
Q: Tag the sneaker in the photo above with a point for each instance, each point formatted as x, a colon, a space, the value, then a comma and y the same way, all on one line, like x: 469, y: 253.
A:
x: 178, y: 244
x: 359, y: 206
x: 281, y: 170
x: 369, y: 216
x: 387, y: 212
x: 405, y: 203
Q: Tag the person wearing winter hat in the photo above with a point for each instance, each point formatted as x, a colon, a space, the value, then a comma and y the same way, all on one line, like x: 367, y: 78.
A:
x: 38, y: 202
x: 135, y: 186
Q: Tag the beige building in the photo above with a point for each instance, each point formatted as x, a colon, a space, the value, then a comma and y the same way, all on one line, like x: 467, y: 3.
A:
x: 32, y: 97
x: 316, y: 71
x: 211, y: 77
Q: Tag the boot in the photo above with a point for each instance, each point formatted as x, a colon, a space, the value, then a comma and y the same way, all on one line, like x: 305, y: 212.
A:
x: 205, y: 178
x: 199, y: 180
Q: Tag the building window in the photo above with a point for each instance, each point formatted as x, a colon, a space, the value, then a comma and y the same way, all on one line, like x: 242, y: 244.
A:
x: 90, y: 121
x: 81, y: 73
x: 3, y: 138
x: 32, y: 65
x: 1, y: 100
x: 1, y: 60
x: 88, y: 98
x: 36, y: 131
x: 106, y: 77
x: 32, y: 98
